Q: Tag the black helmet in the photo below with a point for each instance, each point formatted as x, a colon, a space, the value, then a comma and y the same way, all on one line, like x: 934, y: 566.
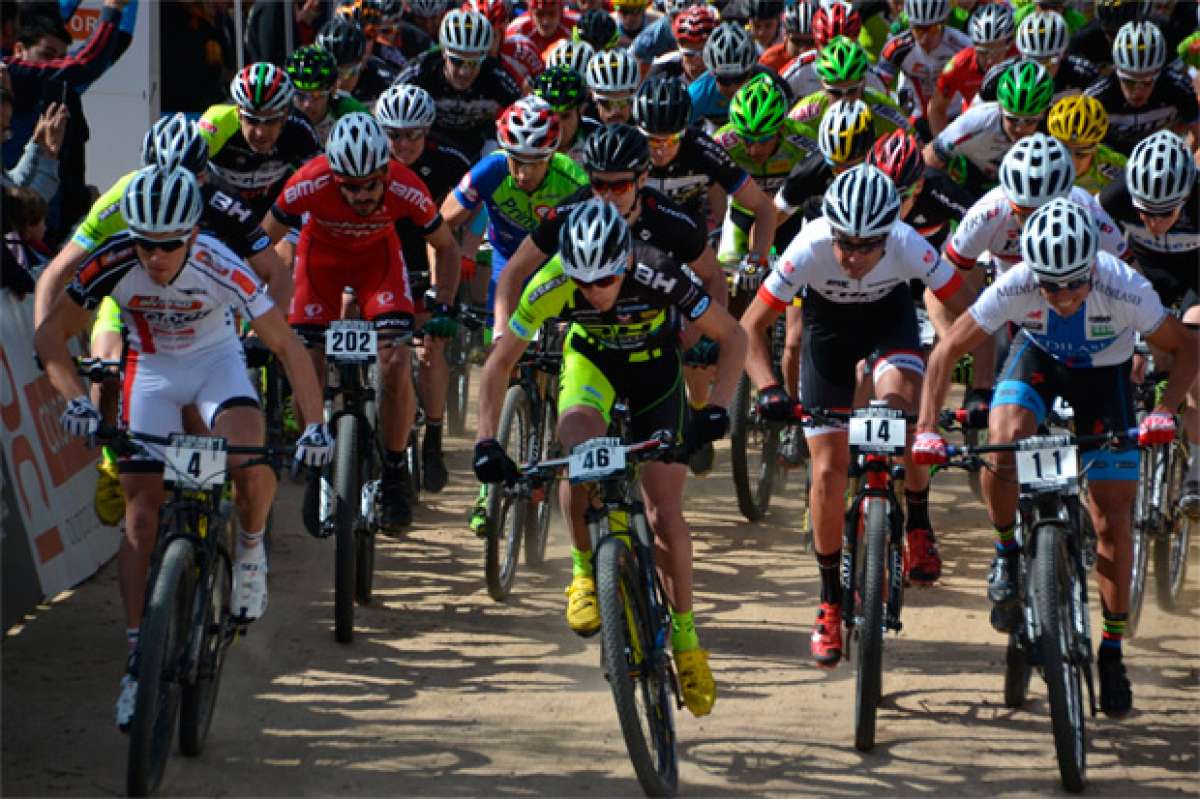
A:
x: 561, y: 87
x: 617, y: 148
x: 1112, y: 14
x: 765, y: 9
x: 343, y: 38
x: 597, y: 29
x: 662, y: 105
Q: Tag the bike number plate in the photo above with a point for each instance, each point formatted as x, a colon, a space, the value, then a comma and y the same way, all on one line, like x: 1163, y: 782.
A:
x: 351, y: 340
x: 1047, y: 467
x: 872, y: 433
x: 195, y: 461
x: 595, y: 460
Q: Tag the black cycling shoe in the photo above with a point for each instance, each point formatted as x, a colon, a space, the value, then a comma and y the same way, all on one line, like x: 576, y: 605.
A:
x: 1116, y: 694
x: 433, y: 468
x: 395, y: 512
x: 701, y: 461
x: 1002, y: 590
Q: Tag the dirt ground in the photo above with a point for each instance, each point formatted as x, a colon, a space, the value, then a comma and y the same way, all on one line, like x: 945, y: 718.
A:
x: 445, y: 692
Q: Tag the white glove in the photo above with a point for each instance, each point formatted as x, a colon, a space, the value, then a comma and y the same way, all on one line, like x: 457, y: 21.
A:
x: 315, y: 446
x: 81, y: 417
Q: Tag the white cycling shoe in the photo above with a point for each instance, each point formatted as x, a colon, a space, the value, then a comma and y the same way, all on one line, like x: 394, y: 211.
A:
x: 250, y: 585
x: 126, y: 702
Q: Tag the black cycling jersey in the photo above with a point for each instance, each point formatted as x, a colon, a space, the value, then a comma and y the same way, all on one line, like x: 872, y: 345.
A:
x: 441, y: 166
x: 1092, y: 43
x: 661, y: 225
x: 700, y: 163
x: 1170, y: 262
x: 1172, y: 102
x: 466, y: 119
x: 408, y: 43
x: 233, y: 222
x: 941, y: 202
x: 806, y: 185
x: 1075, y: 74
x: 587, y: 126
x: 377, y: 75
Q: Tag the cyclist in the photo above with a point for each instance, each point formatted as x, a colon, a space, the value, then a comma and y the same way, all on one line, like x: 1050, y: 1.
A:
x: 469, y: 87
x: 1073, y: 19
x: 921, y: 52
x: 632, y: 17
x: 1157, y: 205
x: 658, y: 38
x: 597, y: 28
x: 360, y: 72
x: 930, y: 202
x: 1043, y: 37
x: 991, y: 33
x: 427, y: 15
x: 1080, y: 122
x: 1094, y: 40
x: 1143, y: 95
x: 406, y: 114
x: 1077, y: 310
x: 574, y: 53
x: 729, y: 56
x: 623, y: 306
x: 958, y: 18
x: 766, y: 23
x: 546, y: 22
x: 517, y: 54
x: 176, y: 289
x: 562, y: 88
x: 612, y: 78
x: 314, y: 75
x: 397, y: 41
x: 797, y: 37
x: 855, y: 262
x: 350, y: 200
x: 691, y: 28
x: 829, y: 22
x: 843, y: 69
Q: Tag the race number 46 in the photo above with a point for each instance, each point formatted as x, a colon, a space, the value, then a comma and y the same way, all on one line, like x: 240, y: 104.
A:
x: 595, y: 460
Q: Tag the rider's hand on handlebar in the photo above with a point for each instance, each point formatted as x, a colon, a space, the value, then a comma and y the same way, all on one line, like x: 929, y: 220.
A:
x: 1156, y: 428
x: 315, y: 446
x: 81, y: 417
x: 929, y: 449
x: 710, y: 423
x: 775, y: 404
x: 751, y: 271
x: 703, y: 353
x: 492, y: 464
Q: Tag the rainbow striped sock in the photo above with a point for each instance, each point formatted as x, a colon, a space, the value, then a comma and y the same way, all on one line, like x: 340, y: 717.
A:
x: 1006, y: 540
x: 1114, y: 631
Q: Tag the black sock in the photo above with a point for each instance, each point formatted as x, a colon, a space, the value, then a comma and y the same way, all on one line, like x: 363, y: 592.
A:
x: 433, y: 436
x: 831, y: 580
x: 917, y: 504
x: 395, y: 461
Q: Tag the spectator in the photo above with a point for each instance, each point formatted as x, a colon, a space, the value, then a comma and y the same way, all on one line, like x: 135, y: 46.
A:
x: 25, y: 223
x: 38, y: 167
x: 15, y: 275
x: 198, y: 57
x: 265, y: 37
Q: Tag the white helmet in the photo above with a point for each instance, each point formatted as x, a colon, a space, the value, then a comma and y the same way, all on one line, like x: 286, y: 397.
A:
x: 174, y: 141
x: 1035, y: 170
x: 673, y: 7
x: 612, y: 73
x: 1059, y: 241
x: 1160, y: 172
x: 861, y: 202
x: 1042, y: 34
x: 990, y: 23
x: 576, y: 54
x: 466, y: 32
x: 161, y: 201
x: 595, y: 242
x: 729, y: 51
x: 1139, y: 48
x: 926, y: 12
x: 357, y: 146
x: 798, y: 17
x: 404, y: 105
x: 529, y: 128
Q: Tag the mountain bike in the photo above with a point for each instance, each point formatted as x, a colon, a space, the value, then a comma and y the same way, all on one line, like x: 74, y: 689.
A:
x: 187, y: 625
x: 635, y: 618
x: 459, y: 350
x: 1055, y: 634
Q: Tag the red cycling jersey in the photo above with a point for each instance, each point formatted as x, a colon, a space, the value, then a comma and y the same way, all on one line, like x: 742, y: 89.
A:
x: 523, y: 26
x: 962, y: 75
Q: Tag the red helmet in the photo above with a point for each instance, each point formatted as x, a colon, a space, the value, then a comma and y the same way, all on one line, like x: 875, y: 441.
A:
x: 529, y: 128
x: 498, y: 12
x: 836, y: 19
x: 898, y: 155
x: 694, y: 25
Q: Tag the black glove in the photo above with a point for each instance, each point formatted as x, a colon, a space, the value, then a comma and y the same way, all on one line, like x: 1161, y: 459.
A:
x: 492, y: 464
x: 977, y: 402
x: 258, y: 354
x: 703, y: 353
x: 775, y: 404
x: 710, y: 423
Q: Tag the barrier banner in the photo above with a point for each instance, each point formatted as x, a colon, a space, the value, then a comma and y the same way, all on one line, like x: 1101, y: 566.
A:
x: 48, y: 476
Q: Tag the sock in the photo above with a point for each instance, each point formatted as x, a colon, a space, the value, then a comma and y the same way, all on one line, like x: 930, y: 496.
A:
x: 1006, y: 540
x: 131, y: 637
x: 581, y: 563
x: 433, y: 436
x: 683, y: 631
x: 395, y: 461
x: 695, y: 405
x: 917, y: 510
x: 1114, y: 631
x: 248, y: 541
x: 831, y: 580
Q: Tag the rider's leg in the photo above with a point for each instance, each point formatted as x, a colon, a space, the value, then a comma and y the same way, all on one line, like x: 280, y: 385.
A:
x: 143, y: 497
x: 1190, y: 498
x: 829, y: 455
x: 576, y: 424
x: 1110, y: 503
x: 433, y: 381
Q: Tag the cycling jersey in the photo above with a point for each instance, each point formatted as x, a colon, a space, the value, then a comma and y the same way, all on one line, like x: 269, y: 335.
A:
x: 1120, y: 303
x: 466, y: 119
x: 992, y: 226
x: 1074, y: 75
x: 1107, y: 166
x: 978, y: 135
x: 523, y: 26
x: 804, y: 186
x: 340, y: 104
x: 1172, y: 103
x: 800, y: 74
x: 962, y: 75
x: 770, y: 175
x: 587, y: 126
x: 375, y: 76
x: 521, y: 59
x: 876, y: 26
x: 699, y: 164
x: 1171, y: 261
x: 253, y: 177
x: 440, y: 166
x: 1075, y: 21
x: 776, y: 57
x: 805, y: 116
x: 902, y: 54
x: 939, y: 207
x: 711, y: 107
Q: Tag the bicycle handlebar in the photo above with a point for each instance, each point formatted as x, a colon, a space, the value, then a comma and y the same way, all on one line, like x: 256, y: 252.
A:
x: 653, y: 448
x: 1041, y: 442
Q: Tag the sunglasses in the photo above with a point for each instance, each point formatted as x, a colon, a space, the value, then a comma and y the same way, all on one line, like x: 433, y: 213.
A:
x: 166, y: 245
x: 1157, y: 214
x: 763, y: 139
x: 613, y: 186
x: 927, y: 28
x: 408, y: 134
x: 467, y: 63
x: 850, y: 245
x: 658, y: 140
x: 613, y: 102
x: 686, y: 53
x: 257, y: 120
x: 838, y: 92
x: 732, y: 80
x: 356, y: 187
x: 602, y: 283
x: 1137, y: 83
x: 1082, y: 152
x: 1022, y: 122
x: 1050, y: 287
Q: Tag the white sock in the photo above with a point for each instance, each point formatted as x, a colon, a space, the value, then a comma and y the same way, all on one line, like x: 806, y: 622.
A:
x: 250, y: 548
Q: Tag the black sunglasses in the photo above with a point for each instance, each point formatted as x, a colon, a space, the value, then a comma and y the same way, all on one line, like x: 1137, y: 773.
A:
x: 859, y: 245
x: 166, y: 245
x: 602, y: 283
x: 1050, y: 287
x: 1157, y: 214
x: 409, y: 134
x: 731, y: 80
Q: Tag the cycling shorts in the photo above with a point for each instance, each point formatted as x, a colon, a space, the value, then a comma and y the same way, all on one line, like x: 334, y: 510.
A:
x: 376, y: 273
x: 108, y: 319
x: 1100, y: 396
x: 157, y: 387
x: 837, y: 336
x: 650, y: 381
x: 499, y: 261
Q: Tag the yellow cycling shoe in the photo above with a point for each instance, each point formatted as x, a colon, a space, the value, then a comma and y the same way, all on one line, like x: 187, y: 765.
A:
x: 696, y: 681
x: 109, y: 501
x: 583, y: 611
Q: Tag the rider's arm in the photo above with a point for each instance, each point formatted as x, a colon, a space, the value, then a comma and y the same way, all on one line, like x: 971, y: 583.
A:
x: 446, y: 262
x: 275, y: 273
x: 454, y: 214
x: 939, y: 107
x: 755, y: 200
x: 54, y: 279
x: 273, y: 329
x: 1181, y: 342
x: 756, y: 321
x: 965, y: 335
x: 506, y: 351
x: 717, y: 324
x: 712, y: 277
x: 523, y: 263
x: 65, y: 318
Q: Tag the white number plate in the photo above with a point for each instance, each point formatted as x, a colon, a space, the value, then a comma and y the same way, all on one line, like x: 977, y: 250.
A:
x: 351, y: 340
x: 877, y: 433
x: 1047, y: 467
x: 595, y: 460
x: 195, y: 461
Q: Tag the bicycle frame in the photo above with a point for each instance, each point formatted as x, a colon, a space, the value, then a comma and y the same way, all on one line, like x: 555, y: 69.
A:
x: 878, y: 473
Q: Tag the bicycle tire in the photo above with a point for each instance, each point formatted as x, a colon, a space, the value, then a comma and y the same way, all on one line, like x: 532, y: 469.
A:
x: 1017, y: 673
x: 160, y: 645
x: 199, y: 697
x: 869, y: 631
x: 537, y: 520
x: 347, y: 488
x: 364, y: 565
x: 412, y: 454
x: 1172, y: 545
x: 1054, y: 596
x: 625, y: 629
x: 753, y: 486
x: 458, y: 398
x: 506, y: 513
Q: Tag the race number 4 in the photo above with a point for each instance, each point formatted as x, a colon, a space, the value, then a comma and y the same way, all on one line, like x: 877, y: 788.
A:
x: 1047, y: 467
x: 595, y: 460
x: 195, y: 461
x: 351, y: 340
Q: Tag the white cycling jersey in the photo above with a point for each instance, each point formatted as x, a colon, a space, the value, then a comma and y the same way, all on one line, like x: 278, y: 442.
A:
x: 801, y: 76
x: 1100, y: 333
x: 978, y: 136
x: 902, y: 54
x: 990, y: 225
x: 809, y: 262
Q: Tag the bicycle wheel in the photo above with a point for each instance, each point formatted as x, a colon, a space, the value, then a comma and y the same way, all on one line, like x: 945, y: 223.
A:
x: 347, y: 487
x: 1171, y: 547
x: 1016, y: 673
x: 753, y: 454
x: 364, y: 565
x: 458, y: 395
x: 200, y: 694
x: 537, y: 519
x: 641, y: 685
x: 160, y: 653
x: 506, y: 513
x: 1142, y: 520
x: 413, y: 455
x: 1056, y: 599
x: 869, y: 631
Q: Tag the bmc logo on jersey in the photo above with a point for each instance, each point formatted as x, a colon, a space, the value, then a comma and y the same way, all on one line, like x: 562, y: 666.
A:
x: 305, y: 188
x: 411, y: 194
x: 653, y: 278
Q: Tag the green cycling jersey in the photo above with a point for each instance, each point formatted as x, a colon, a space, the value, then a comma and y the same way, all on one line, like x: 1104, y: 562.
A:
x: 1107, y: 166
x: 805, y: 117
x: 771, y: 173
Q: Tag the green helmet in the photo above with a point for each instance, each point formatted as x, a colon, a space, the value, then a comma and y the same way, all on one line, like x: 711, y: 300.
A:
x: 560, y: 86
x: 842, y: 61
x: 758, y: 108
x: 1025, y: 89
x: 312, y: 69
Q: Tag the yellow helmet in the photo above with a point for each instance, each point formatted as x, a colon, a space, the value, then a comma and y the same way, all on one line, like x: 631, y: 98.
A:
x: 1079, y: 120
